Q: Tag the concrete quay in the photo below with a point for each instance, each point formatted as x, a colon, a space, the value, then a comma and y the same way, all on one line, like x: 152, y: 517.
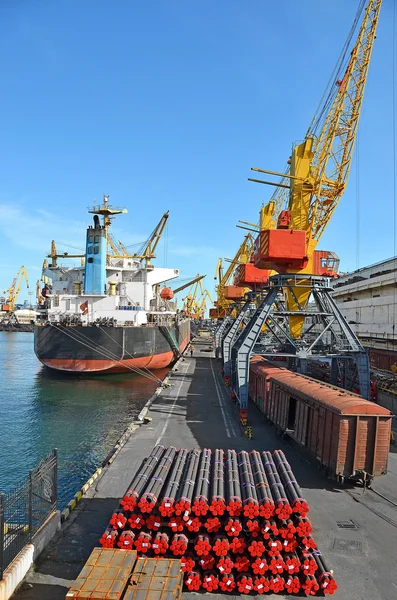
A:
x: 197, y: 411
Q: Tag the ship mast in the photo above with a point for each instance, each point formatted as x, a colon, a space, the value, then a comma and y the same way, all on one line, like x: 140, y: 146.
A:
x: 108, y: 213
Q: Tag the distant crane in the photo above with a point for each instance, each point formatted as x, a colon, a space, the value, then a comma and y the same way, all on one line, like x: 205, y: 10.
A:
x: 13, y: 291
x: 225, y: 297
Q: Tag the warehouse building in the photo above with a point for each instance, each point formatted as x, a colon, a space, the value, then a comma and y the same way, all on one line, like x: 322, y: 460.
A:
x: 368, y: 300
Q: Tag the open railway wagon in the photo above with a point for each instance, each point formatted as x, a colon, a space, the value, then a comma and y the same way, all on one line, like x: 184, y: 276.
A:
x: 346, y: 434
x: 237, y: 522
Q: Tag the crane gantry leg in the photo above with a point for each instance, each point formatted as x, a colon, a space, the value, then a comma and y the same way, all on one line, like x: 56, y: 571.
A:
x: 229, y: 338
x: 326, y: 334
x: 219, y: 333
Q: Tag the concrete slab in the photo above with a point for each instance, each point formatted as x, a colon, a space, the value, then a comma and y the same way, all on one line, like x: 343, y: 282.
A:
x: 196, y: 411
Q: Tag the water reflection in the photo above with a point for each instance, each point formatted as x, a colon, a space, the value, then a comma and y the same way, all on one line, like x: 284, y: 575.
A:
x: 81, y: 415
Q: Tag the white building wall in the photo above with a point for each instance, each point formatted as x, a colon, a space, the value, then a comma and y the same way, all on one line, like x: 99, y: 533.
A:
x: 368, y: 300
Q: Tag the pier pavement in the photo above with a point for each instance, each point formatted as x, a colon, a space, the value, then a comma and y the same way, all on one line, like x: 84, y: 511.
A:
x: 197, y: 411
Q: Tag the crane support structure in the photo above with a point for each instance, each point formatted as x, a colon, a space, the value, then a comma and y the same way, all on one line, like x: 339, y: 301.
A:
x: 297, y: 214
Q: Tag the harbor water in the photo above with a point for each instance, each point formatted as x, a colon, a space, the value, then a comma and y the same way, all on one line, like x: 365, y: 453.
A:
x: 41, y: 409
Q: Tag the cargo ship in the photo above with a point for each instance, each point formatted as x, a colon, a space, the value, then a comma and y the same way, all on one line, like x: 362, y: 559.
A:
x: 114, y: 312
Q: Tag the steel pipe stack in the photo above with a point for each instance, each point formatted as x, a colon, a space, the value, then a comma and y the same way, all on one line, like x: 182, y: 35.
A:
x: 248, y: 491
x: 294, y: 494
x: 186, y: 489
x: 169, y: 491
x: 141, y: 479
x: 149, y: 499
x: 265, y: 498
x: 200, y: 504
x: 218, y: 503
x: 283, y: 509
x: 237, y: 521
x: 234, y: 503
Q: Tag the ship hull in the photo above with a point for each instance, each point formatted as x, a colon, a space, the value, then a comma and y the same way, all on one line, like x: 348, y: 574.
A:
x: 90, y: 349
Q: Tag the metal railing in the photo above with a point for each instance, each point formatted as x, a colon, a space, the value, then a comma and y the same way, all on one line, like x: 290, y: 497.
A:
x: 25, y: 508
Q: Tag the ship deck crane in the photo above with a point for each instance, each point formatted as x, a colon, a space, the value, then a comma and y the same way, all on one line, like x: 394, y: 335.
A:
x: 148, y: 249
x: 306, y: 197
x: 13, y: 291
x: 189, y: 283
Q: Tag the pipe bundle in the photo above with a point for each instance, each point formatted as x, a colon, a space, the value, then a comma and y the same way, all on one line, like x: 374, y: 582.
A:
x: 238, y: 521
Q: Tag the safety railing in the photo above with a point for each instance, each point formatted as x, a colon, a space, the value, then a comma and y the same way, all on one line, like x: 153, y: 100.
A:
x: 25, y: 508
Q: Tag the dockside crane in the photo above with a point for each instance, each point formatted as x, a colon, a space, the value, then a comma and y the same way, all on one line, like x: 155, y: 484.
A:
x: 13, y: 291
x: 305, y: 199
x: 226, y: 293
x: 191, y: 300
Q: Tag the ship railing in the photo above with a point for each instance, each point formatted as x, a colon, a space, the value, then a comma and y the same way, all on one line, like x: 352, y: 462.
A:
x: 25, y: 508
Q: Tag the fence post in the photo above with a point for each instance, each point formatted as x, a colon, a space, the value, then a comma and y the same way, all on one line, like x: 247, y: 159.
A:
x: 30, y: 512
x: 2, y: 496
x: 56, y: 478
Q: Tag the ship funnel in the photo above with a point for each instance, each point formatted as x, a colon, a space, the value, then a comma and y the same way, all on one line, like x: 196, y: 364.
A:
x: 95, y: 263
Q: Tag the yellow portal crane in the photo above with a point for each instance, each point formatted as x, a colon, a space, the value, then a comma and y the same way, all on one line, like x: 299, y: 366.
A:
x: 190, y: 300
x: 319, y: 166
x: 201, y: 305
x: 14, y: 289
x: 242, y: 256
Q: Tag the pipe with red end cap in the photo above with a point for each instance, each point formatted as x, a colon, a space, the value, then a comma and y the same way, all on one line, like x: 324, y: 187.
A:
x: 179, y: 544
x: 169, y: 491
x: 210, y: 581
x: 263, y: 491
x: 245, y: 584
x: 227, y: 583
x: 149, y: 498
x: 193, y: 581
x: 126, y: 540
x: 234, y: 503
x: 218, y: 505
x: 109, y: 538
x: 187, y: 563
x: 184, y: 495
x: 141, y: 479
x: 160, y: 544
x: 200, y: 503
x: 248, y: 491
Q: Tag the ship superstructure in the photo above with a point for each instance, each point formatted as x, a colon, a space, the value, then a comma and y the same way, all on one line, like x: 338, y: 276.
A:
x: 111, y: 312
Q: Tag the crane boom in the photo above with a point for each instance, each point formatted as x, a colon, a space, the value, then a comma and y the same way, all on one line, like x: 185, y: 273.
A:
x: 333, y: 148
x: 192, y: 282
x: 147, y: 252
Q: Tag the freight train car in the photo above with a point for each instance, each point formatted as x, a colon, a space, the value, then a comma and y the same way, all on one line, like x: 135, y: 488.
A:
x: 382, y: 359
x: 347, y: 435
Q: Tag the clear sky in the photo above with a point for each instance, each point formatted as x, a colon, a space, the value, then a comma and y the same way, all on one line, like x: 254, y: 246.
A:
x: 167, y: 104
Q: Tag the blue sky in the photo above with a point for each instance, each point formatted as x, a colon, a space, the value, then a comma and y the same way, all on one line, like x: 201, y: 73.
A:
x: 167, y: 104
